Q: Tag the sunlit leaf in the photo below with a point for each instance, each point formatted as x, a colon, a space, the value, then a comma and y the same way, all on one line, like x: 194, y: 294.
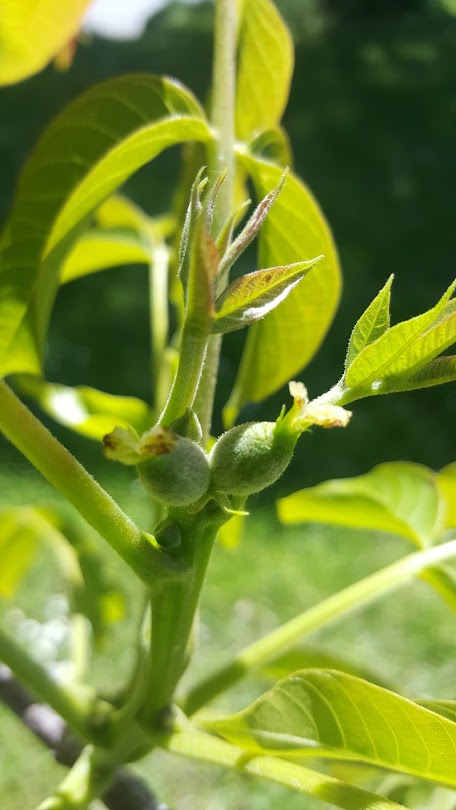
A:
x: 85, y: 410
x: 396, y: 497
x: 31, y: 33
x: 265, y: 68
x: 372, y: 324
x: 447, y: 708
x: 394, y: 347
x: 86, y: 153
x: 100, y: 249
x: 279, y: 346
x: 230, y: 534
x: 254, y: 295
x: 446, y: 482
x: 18, y: 546
x: 438, y: 371
x: 330, y: 714
x: 273, y: 145
x: 443, y: 579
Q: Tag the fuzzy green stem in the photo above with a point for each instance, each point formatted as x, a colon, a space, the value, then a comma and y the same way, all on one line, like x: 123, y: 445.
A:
x: 76, y: 709
x: 326, y: 788
x: 338, y: 605
x: 173, y: 615
x: 182, y: 396
x: 87, y: 780
x: 70, y: 478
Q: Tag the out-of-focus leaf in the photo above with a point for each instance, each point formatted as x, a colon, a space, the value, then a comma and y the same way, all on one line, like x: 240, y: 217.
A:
x: 86, y: 153
x: 395, y: 349
x: 279, y: 346
x: 273, y: 145
x: 230, y: 534
x: 396, y: 497
x: 372, y: 323
x: 443, y: 579
x: 446, y: 708
x: 85, y: 410
x: 265, y: 68
x: 313, y: 657
x: 329, y: 714
x: 31, y: 33
x: 22, y: 530
x: 446, y: 482
x: 253, y: 296
x: 101, y: 249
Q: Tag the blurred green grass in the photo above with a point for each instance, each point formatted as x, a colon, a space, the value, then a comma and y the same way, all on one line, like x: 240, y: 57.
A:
x: 274, y: 574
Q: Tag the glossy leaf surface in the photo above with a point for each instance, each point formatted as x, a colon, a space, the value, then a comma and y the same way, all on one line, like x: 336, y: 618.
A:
x: 253, y: 296
x: 330, y: 714
x: 31, y: 33
x: 88, y: 151
x: 278, y: 347
x: 265, y: 68
x: 372, y: 323
x: 85, y: 410
x: 396, y: 497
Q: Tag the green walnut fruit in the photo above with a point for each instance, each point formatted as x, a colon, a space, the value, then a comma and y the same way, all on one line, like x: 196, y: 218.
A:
x: 175, y: 470
x: 250, y: 457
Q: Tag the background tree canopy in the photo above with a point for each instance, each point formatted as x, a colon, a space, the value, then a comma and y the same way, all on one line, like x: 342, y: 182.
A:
x: 372, y: 118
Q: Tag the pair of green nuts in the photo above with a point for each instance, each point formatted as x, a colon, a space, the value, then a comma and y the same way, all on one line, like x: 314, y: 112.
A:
x: 244, y: 460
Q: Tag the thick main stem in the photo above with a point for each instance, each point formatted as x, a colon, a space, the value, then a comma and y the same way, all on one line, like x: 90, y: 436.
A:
x: 70, y: 478
x: 220, y: 159
x: 342, y: 603
x: 173, y: 616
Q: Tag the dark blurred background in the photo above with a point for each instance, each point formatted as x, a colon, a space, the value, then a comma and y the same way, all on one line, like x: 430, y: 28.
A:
x: 372, y: 120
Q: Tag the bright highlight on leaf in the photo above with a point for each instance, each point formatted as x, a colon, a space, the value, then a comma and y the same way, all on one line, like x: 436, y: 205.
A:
x: 329, y: 714
x: 85, y: 410
x: 31, y: 33
x: 396, y: 497
x: 100, y: 249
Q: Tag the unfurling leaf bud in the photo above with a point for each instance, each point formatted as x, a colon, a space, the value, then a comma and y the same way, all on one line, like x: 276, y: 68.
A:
x: 173, y: 469
x: 250, y: 457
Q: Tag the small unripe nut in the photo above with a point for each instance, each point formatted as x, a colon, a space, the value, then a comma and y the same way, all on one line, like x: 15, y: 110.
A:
x: 250, y: 457
x: 178, y: 475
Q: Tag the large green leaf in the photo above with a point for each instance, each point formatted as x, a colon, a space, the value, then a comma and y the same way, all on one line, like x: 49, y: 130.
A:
x: 18, y: 545
x: 85, y: 410
x: 372, y: 323
x: 102, y: 248
x: 329, y: 714
x: 88, y: 151
x: 401, y: 349
x: 396, y: 497
x: 279, y: 346
x: 265, y: 68
x: 254, y: 295
x: 31, y: 33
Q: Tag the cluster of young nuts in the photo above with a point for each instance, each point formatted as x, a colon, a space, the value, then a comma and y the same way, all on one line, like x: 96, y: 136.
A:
x: 176, y: 471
